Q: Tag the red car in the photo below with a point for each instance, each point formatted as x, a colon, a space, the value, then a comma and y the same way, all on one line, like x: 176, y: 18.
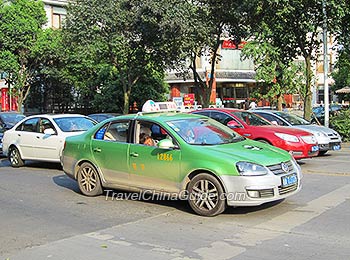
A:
x: 299, y: 143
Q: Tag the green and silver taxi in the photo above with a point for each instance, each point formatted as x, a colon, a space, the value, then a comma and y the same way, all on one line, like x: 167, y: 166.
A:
x: 190, y: 156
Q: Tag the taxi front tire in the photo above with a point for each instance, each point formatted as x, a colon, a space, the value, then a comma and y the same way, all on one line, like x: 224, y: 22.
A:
x: 89, y: 181
x: 206, y: 195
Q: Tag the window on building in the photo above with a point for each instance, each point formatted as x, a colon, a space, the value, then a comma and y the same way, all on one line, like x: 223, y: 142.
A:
x: 58, y: 17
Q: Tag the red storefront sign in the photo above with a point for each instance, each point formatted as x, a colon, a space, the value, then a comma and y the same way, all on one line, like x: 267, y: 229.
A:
x: 189, y: 99
x: 228, y: 44
x: 5, y: 105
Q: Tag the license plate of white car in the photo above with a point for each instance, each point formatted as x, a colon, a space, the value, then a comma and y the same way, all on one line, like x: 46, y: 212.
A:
x: 314, y: 148
x: 336, y: 147
x: 289, y: 180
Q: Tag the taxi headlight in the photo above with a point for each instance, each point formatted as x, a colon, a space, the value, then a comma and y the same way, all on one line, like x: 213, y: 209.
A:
x: 250, y: 169
x: 296, y: 165
x: 288, y: 138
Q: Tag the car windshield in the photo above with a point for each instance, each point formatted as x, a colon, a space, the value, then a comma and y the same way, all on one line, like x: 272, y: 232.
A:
x: 250, y: 118
x: 204, y: 131
x: 74, y: 124
x: 293, y: 119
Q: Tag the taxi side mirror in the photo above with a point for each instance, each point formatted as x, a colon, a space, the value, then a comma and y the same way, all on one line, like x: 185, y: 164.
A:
x: 165, y: 144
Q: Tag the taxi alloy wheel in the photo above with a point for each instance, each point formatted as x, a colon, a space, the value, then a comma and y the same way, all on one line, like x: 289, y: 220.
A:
x: 89, y: 180
x: 206, y: 195
x: 15, y: 157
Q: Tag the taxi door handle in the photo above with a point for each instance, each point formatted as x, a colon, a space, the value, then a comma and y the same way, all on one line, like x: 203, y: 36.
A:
x: 134, y: 155
x: 247, y: 134
x: 97, y: 150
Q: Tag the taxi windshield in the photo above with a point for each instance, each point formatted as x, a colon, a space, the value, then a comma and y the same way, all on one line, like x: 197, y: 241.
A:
x: 204, y: 131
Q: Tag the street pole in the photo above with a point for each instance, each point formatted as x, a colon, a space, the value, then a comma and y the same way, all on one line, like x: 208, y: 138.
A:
x: 9, y: 93
x: 325, y: 65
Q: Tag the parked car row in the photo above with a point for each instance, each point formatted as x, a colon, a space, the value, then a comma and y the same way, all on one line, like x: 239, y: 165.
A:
x: 327, y: 138
x: 213, y: 158
x: 299, y: 143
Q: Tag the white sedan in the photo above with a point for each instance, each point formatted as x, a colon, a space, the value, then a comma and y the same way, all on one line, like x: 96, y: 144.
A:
x: 42, y: 137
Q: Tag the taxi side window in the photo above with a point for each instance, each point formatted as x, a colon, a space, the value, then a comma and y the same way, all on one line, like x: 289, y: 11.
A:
x: 117, y: 132
x: 148, y: 133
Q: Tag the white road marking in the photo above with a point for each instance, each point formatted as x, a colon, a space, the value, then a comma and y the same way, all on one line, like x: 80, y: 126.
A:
x: 275, y: 227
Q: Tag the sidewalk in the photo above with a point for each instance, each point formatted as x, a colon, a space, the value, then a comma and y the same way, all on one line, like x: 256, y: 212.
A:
x: 345, y: 145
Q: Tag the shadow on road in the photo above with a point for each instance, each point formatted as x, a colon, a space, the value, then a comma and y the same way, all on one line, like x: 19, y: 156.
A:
x: 43, y: 165
x: 252, y: 209
x: 181, y: 205
x: 66, y: 182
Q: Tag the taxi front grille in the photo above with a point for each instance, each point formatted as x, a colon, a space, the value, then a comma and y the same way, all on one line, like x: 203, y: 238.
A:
x: 277, y: 168
x: 287, y: 189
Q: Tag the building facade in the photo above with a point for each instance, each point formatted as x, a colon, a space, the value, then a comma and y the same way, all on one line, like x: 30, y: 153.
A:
x: 234, y: 78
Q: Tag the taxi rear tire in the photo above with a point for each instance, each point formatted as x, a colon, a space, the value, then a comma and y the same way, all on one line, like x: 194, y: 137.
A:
x: 89, y: 180
x: 15, y: 158
x: 206, y: 195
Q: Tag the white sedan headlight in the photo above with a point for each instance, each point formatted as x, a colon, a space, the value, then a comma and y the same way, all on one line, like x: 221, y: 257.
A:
x: 287, y: 137
x: 251, y: 169
x: 309, y: 139
x: 321, y: 134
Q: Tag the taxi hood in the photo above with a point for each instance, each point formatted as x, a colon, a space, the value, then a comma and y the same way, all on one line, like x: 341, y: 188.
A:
x: 249, y: 151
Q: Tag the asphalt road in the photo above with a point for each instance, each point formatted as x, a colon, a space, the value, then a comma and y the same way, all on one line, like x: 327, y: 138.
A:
x: 43, y: 216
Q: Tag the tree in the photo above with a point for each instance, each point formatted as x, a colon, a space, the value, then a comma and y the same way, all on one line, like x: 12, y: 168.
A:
x: 130, y: 38
x: 51, y: 89
x: 209, y: 23
x: 294, y: 27
x: 21, y: 23
x: 341, y: 74
x: 271, y: 72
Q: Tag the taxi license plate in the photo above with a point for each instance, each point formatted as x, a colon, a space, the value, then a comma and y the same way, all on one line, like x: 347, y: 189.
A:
x: 289, y: 180
x: 314, y: 148
x: 336, y: 147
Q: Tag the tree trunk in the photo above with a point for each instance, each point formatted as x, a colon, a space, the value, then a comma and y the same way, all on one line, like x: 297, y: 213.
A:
x: 307, y: 92
x: 126, y: 101
x: 279, y: 102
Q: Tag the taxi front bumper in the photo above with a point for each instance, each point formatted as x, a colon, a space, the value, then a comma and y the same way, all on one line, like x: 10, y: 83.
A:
x: 257, y: 190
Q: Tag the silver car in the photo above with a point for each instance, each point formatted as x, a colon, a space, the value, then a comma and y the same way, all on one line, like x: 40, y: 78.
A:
x: 327, y: 138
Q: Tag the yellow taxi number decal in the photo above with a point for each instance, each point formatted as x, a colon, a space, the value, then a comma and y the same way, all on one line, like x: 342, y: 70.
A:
x: 164, y: 157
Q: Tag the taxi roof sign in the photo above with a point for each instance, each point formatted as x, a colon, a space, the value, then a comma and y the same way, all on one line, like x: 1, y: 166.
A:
x: 151, y: 106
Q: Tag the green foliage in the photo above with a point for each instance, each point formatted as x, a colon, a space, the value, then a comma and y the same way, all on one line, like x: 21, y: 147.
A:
x: 21, y: 23
x: 119, y: 43
x: 293, y: 27
x: 341, y: 123
x: 341, y: 74
x: 274, y: 77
